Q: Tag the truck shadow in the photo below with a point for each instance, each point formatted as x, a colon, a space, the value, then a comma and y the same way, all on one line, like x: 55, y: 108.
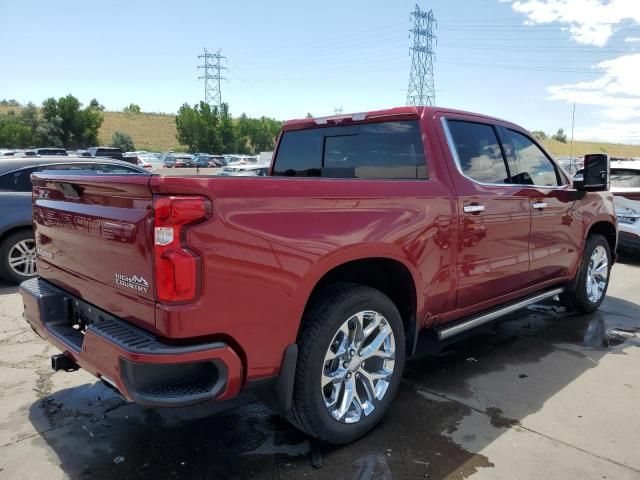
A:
x: 94, y: 434
x: 629, y: 258
x: 7, y: 288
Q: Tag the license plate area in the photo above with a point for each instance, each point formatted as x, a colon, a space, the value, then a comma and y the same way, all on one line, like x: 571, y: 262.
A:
x: 68, y: 319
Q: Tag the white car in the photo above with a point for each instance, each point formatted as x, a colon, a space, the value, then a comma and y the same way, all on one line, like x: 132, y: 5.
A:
x: 625, y: 186
x: 251, y: 170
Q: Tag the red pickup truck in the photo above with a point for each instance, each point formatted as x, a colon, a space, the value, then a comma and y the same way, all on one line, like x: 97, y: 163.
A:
x: 314, y: 284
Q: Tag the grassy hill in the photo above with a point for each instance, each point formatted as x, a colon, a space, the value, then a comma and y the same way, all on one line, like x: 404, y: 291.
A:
x: 150, y: 131
x: 157, y: 132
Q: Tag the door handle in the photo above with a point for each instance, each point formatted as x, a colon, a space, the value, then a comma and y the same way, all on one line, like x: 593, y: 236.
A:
x: 539, y: 205
x: 473, y: 208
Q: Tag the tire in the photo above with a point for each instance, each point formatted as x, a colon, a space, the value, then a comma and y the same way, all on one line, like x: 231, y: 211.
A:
x: 20, y: 244
x: 329, y: 328
x: 584, y: 298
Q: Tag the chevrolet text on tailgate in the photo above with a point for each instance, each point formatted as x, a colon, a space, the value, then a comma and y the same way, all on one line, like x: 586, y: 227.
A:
x: 312, y: 286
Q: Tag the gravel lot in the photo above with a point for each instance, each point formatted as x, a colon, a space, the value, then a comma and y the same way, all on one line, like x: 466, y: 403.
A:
x: 541, y: 395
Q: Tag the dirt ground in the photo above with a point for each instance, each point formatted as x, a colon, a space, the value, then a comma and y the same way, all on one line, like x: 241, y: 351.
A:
x: 543, y: 394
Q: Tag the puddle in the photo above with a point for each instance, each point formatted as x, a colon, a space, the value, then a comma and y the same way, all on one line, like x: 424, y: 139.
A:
x: 250, y: 442
x: 91, y: 427
x: 599, y: 335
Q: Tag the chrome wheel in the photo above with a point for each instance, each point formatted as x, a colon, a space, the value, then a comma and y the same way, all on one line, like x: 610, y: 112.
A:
x: 22, y: 258
x: 358, y: 366
x: 597, y: 274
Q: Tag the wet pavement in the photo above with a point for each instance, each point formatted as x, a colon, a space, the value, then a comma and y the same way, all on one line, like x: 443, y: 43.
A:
x: 542, y: 394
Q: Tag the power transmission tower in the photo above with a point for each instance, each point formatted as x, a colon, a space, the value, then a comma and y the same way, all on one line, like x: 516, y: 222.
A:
x: 212, y: 76
x: 421, y: 86
x: 337, y: 110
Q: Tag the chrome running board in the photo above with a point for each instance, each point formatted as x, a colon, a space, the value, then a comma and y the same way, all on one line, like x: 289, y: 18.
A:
x: 472, y: 322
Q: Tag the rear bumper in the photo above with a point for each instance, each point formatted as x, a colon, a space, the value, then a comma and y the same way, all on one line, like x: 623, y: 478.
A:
x: 137, y: 364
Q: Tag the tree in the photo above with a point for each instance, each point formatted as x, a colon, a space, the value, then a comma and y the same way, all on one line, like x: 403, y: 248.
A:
x: 79, y: 126
x: 132, y: 108
x: 203, y: 128
x: 123, y: 141
x: 14, y: 134
x: 95, y: 105
x: 18, y: 130
x: 28, y: 116
x: 560, y: 136
x: 198, y: 128
x: 308, y: 115
x: 227, y: 131
x: 50, y: 108
x: 539, y: 134
x: 49, y: 132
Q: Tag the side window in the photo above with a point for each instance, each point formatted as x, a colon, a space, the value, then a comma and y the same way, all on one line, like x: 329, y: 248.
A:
x: 390, y: 150
x: 300, y: 154
x: 478, y: 151
x: 19, y: 181
x: 625, y: 178
x: 533, y: 166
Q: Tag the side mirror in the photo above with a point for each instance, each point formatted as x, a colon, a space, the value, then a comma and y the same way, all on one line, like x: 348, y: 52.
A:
x: 594, y: 177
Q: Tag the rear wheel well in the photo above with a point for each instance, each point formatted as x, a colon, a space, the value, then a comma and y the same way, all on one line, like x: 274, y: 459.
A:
x: 608, y: 231
x: 389, y: 276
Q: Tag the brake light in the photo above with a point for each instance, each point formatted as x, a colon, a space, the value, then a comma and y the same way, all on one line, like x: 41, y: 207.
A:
x: 177, y: 272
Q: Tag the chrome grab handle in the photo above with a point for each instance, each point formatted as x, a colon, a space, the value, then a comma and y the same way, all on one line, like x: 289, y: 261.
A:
x: 539, y: 205
x: 474, y: 208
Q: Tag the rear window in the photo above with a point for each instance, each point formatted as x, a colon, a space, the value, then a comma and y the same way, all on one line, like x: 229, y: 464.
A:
x: 389, y: 150
x: 625, y: 178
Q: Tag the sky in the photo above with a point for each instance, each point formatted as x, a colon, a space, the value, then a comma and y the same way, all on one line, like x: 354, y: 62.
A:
x: 526, y: 61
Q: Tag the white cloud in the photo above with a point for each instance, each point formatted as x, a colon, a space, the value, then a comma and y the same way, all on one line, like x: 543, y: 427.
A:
x: 610, y: 132
x: 632, y: 39
x: 617, y: 91
x: 591, y: 22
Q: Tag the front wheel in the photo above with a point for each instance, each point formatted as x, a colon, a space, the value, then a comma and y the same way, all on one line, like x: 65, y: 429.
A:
x: 352, y: 352
x: 593, y: 276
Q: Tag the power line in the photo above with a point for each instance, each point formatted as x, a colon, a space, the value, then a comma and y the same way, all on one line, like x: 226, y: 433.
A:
x: 421, y: 89
x: 212, y: 77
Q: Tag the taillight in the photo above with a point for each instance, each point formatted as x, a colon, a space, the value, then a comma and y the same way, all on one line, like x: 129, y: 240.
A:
x: 177, y: 268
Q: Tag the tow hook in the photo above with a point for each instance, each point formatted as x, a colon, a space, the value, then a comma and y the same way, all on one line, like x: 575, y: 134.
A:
x: 62, y: 362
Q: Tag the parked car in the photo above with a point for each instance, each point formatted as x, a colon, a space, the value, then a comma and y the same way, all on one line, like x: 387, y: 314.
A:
x: 255, y: 170
x: 625, y: 186
x: 217, y: 161
x: 201, y: 160
x: 205, y: 160
x: 51, y: 151
x: 142, y: 159
x: 17, y: 246
x: 378, y: 231
x: 109, y: 152
x: 179, y: 160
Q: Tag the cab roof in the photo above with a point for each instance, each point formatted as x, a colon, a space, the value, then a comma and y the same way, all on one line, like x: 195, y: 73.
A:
x: 397, y: 113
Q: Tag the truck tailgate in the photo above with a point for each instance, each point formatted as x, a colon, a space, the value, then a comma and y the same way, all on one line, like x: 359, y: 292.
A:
x: 94, y: 239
